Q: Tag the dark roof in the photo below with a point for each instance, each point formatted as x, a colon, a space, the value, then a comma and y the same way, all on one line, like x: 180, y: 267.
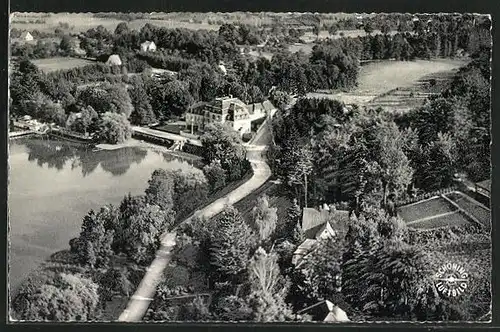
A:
x: 313, y: 220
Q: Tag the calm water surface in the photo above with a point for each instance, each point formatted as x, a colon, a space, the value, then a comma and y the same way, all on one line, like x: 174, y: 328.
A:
x: 53, y: 184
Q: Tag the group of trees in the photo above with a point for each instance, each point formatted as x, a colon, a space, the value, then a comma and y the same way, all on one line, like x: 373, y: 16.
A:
x: 238, y: 263
x: 55, y: 99
x: 224, y: 155
x: 437, y: 39
x: 133, y: 229
x: 326, y: 152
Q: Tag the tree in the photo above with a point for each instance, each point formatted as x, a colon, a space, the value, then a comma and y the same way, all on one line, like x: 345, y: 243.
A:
x: 230, y: 246
x: 145, y: 231
x: 396, y: 173
x: 143, y: 112
x: 85, y: 122
x: 25, y: 82
x: 190, y: 191
x: 368, y: 27
x: 297, y: 165
x: 93, y: 246
x: 160, y: 190
x: 396, y: 281
x: 119, y: 99
x: 114, y: 128
x: 319, y: 276
x: 65, y: 298
x: 222, y: 143
x: 267, y: 288
x: 386, y: 28
x: 232, y: 308
x: 122, y: 28
x: 215, y: 175
x: 265, y: 218
x: 280, y: 99
x: 169, y: 98
x: 197, y: 310
x: 66, y: 45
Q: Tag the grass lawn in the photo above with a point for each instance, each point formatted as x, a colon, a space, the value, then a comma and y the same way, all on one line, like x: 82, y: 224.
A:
x: 424, y: 209
x: 60, y: 63
x: 381, y: 78
x: 455, y: 219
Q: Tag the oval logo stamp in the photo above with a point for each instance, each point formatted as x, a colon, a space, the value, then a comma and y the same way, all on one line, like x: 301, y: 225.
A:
x: 451, y: 280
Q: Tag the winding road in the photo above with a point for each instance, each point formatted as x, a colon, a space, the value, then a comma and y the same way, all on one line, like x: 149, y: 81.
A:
x: 139, y: 302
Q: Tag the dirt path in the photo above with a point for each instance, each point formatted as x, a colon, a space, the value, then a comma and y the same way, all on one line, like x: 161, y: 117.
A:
x: 139, y: 303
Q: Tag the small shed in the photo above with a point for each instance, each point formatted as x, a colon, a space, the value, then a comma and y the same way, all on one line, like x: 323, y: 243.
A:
x: 114, y: 60
x: 148, y: 46
x: 27, y: 36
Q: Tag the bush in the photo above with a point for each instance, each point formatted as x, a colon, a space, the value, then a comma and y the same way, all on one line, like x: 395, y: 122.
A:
x: 114, y: 128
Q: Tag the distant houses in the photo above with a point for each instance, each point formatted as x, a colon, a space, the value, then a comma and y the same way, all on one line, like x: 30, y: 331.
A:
x: 148, y: 46
x: 27, y: 36
x: 228, y: 110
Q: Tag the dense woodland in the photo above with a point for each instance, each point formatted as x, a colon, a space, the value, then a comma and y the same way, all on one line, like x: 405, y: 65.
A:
x: 362, y: 160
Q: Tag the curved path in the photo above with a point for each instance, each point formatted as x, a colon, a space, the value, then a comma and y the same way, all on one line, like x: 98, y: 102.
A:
x: 139, y: 303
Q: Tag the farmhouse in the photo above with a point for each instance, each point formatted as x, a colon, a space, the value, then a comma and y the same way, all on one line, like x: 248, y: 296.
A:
x: 114, y: 60
x: 325, y: 311
x: 317, y: 225
x: 27, y: 36
x: 229, y: 110
x: 148, y: 46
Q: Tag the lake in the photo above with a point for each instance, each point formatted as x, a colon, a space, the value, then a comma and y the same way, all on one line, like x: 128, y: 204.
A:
x: 53, y: 184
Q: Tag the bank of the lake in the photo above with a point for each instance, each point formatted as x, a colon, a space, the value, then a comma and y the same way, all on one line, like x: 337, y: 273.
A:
x: 54, y: 183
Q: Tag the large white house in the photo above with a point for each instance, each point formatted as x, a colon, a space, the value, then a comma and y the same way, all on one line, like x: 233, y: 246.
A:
x: 228, y: 110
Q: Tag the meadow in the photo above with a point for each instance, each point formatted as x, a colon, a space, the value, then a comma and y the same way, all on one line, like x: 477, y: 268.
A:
x: 60, y: 63
x: 395, y: 85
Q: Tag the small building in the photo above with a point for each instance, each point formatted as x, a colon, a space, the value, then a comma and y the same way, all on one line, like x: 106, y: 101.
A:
x: 114, y: 60
x: 148, y: 46
x: 26, y: 36
x: 318, y: 225
x: 325, y: 311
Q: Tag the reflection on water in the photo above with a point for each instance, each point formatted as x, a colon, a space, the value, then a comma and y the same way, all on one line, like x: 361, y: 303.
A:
x: 53, y: 184
x: 56, y: 154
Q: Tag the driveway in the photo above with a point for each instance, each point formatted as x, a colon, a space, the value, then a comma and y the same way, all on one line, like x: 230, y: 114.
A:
x: 139, y: 303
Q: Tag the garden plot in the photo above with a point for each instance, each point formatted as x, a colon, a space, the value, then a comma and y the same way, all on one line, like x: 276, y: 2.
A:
x: 425, y: 209
x: 476, y: 209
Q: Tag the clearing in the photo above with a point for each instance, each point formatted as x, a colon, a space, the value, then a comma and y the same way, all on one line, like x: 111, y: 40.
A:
x: 396, y: 85
x: 60, y: 63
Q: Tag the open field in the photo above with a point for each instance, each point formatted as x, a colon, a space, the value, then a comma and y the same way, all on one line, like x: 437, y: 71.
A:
x: 60, y: 63
x: 80, y: 22
x: 424, y: 209
x: 453, y: 219
x: 389, y: 83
